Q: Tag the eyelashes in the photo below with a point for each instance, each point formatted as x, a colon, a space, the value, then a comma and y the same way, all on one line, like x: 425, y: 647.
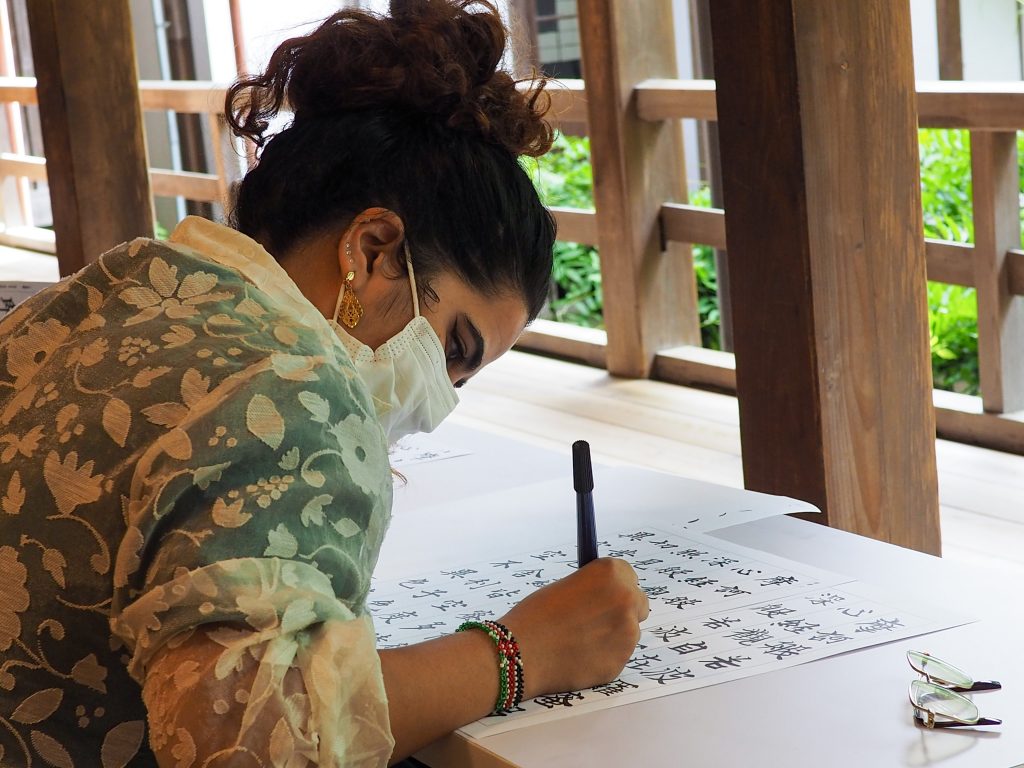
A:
x: 455, y: 354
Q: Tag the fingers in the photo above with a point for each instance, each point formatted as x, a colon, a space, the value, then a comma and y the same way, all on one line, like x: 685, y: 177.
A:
x: 645, y: 605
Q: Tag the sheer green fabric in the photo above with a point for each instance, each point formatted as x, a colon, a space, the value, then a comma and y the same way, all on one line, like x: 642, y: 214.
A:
x: 193, y: 493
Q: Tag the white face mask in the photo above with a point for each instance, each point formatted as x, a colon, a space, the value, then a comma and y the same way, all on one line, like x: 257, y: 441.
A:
x: 407, y: 375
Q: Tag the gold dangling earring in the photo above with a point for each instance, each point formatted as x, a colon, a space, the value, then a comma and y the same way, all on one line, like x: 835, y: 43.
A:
x: 349, y: 310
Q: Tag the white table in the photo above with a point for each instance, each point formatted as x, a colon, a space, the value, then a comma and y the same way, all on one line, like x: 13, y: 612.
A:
x: 848, y: 711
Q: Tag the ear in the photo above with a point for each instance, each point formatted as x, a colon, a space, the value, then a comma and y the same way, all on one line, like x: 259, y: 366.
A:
x: 372, y: 247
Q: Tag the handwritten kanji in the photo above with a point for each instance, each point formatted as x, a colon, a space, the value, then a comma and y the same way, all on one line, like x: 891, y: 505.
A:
x: 559, y: 699
x: 665, y: 675
x: 719, y: 663
x: 685, y: 648
x: 784, y: 649
x: 615, y: 686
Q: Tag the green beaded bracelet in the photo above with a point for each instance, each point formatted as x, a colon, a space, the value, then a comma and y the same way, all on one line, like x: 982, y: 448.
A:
x: 510, y: 677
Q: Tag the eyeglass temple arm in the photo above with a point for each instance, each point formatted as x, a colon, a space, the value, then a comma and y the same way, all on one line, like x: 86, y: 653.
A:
x: 981, y: 685
x: 981, y: 721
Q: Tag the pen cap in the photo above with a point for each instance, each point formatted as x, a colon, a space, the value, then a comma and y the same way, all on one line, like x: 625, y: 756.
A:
x: 582, y: 472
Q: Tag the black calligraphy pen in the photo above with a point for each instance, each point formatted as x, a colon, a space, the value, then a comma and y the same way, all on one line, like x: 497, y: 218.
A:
x: 583, y: 482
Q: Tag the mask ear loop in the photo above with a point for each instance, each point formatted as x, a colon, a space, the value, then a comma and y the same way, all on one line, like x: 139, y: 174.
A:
x: 412, y: 281
x: 337, y: 306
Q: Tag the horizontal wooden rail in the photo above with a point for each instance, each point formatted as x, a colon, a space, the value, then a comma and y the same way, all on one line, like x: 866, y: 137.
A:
x: 28, y: 166
x: 568, y: 101
x: 940, y: 104
x: 576, y: 225
x: 1015, y: 268
x: 568, y: 97
x: 978, y: 106
x: 204, y: 187
x: 566, y: 341
x: 178, y: 95
x: 958, y: 417
x: 948, y: 262
x: 667, y: 99
x: 691, y: 224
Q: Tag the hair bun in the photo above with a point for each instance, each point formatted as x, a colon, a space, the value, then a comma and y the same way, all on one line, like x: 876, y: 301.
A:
x: 438, y: 58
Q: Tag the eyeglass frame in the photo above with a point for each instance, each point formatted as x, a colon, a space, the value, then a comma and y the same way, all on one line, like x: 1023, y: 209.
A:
x: 953, y: 722
x: 976, y: 685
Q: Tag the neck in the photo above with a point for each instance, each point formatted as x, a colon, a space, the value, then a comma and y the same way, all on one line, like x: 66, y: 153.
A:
x: 313, y: 267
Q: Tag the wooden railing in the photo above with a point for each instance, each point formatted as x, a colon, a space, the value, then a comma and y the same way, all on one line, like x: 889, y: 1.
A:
x: 186, y: 97
x: 994, y: 265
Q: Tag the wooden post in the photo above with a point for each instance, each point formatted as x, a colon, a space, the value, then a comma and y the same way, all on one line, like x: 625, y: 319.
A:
x: 948, y: 30
x: 996, y: 183
x: 88, y: 90
x: 650, y: 297
x: 704, y: 69
x: 818, y: 129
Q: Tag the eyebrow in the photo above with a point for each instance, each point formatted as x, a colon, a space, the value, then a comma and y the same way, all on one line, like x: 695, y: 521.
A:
x: 478, y: 353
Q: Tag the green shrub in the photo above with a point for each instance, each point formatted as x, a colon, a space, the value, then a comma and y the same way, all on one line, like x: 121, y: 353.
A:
x: 563, y: 177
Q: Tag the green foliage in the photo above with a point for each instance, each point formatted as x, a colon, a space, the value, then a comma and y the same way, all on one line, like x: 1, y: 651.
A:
x: 563, y: 177
x: 707, y: 282
x: 948, y: 215
x: 945, y: 184
x: 953, y: 330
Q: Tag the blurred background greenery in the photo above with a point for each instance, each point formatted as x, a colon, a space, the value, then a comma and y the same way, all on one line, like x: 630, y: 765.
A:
x: 564, y: 178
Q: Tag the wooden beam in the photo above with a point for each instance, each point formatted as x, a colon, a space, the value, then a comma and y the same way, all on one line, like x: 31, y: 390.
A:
x: 664, y: 99
x: 697, y: 367
x: 205, y: 187
x: 950, y: 262
x: 818, y: 131
x: 576, y: 225
x: 951, y: 53
x: 1015, y: 268
x: 978, y: 106
x: 650, y: 296
x: 996, y: 184
x: 566, y: 341
x: 91, y: 125
x: 692, y: 224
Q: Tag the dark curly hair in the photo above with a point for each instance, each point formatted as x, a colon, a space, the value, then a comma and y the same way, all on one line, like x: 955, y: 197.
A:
x: 410, y: 112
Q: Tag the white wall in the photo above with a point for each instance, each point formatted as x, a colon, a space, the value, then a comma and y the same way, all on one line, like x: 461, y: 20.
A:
x: 990, y: 36
x: 926, y: 39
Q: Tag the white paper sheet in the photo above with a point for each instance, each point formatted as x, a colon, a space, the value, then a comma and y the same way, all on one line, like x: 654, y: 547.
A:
x: 719, y: 612
x: 12, y: 293
x: 419, y: 449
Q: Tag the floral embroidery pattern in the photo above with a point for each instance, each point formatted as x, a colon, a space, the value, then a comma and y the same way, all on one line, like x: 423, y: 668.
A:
x: 186, y: 475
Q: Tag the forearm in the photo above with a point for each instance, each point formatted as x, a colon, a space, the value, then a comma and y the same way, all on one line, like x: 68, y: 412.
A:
x: 438, y: 686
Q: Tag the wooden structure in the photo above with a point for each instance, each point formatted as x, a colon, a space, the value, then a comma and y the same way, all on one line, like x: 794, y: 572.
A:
x: 818, y: 132
x: 834, y: 399
x: 92, y: 125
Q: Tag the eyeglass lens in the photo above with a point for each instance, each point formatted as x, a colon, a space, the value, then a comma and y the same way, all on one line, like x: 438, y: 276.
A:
x: 938, y: 670
x: 942, y: 701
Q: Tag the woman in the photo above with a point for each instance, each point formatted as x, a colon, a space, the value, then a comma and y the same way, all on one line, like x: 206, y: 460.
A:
x: 193, y: 434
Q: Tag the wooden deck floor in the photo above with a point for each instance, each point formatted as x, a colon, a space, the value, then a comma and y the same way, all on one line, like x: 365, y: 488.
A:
x: 695, y: 433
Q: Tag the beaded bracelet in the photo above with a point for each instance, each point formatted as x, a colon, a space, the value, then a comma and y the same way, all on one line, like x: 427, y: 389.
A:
x: 510, y: 663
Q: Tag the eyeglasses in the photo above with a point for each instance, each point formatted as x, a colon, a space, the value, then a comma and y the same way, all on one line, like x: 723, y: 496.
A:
x: 937, y: 671
x: 940, y: 694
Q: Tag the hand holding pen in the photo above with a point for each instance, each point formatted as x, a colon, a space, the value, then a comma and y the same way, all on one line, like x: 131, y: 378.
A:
x: 580, y: 630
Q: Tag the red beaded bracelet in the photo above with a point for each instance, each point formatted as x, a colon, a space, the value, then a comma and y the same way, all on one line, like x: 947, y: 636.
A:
x: 510, y: 663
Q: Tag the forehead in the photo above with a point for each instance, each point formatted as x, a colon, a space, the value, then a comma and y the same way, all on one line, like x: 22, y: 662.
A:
x: 500, y: 317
